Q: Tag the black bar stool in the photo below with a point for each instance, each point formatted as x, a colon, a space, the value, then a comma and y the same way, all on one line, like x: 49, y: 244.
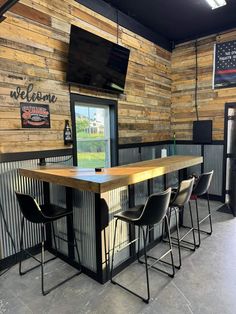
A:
x: 180, y: 198
x: 42, y: 215
x: 154, y: 211
x: 201, y: 187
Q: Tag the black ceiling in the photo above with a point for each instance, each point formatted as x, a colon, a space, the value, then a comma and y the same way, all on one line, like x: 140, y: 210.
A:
x: 179, y: 20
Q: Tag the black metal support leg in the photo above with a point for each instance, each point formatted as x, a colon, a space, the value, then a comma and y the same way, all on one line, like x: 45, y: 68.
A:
x: 200, y: 221
x: 178, y: 238
x: 21, y: 246
x: 171, y: 250
x: 146, y: 264
x: 146, y: 300
x: 209, y: 212
x: 42, y: 260
x: 113, y: 252
x: 198, y: 225
x: 192, y: 226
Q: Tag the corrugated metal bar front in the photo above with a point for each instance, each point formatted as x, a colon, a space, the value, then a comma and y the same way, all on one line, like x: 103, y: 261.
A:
x: 84, y: 224
x: 117, y: 201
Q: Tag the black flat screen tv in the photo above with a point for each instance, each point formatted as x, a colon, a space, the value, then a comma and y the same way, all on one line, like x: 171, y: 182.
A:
x: 95, y: 62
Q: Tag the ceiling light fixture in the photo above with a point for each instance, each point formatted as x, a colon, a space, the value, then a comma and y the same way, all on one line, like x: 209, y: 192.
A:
x: 216, y: 3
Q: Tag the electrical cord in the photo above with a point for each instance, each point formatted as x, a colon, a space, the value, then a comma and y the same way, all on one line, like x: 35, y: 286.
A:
x: 196, y: 80
x: 43, y: 162
x: 10, y: 236
x: 57, y: 162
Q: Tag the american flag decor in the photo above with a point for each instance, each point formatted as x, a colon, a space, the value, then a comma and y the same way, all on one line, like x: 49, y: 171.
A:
x: 225, y: 65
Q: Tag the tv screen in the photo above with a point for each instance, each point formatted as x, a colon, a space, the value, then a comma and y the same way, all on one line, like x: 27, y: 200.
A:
x: 96, y: 62
x: 202, y: 132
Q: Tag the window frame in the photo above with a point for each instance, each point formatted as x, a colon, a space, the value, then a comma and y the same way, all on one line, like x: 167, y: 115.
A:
x: 113, y: 117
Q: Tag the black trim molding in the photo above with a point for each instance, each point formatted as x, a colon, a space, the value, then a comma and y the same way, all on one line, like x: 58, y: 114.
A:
x: 11, y: 157
x: 168, y: 142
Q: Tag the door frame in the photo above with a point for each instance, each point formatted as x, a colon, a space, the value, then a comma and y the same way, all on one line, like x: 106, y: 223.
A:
x: 225, y: 154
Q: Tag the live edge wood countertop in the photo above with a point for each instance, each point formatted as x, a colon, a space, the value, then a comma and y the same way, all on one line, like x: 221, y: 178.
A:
x: 109, y: 178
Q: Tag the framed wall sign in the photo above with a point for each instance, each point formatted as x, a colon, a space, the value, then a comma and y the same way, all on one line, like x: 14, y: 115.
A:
x: 224, y: 73
x: 34, y: 115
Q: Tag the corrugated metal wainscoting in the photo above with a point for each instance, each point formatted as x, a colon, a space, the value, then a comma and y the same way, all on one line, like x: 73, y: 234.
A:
x: 11, y: 181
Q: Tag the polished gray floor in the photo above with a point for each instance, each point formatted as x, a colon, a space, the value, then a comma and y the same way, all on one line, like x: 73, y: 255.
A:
x: 206, y: 283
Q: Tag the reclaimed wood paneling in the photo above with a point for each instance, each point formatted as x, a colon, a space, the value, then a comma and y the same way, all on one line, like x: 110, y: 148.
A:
x: 34, y: 42
x: 210, y: 102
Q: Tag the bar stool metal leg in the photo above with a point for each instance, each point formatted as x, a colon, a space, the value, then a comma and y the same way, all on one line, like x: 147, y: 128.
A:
x: 113, y: 253
x: 209, y: 212
x: 173, y: 238
x: 170, y: 251
x: 200, y: 221
x: 146, y: 300
x: 198, y: 225
x: 192, y: 226
x: 178, y: 238
x: 42, y: 259
x: 146, y: 263
x: 21, y: 246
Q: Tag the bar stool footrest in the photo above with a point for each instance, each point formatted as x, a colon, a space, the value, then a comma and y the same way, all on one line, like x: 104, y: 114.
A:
x: 36, y: 266
x: 158, y: 259
x: 45, y: 292
x: 146, y: 300
x: 196, y: 229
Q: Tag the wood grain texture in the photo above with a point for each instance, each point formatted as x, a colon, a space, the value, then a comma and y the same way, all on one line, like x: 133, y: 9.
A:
x: 110, y: 178
x: 34, y: 42
x: 159, y: 90
x: 211, y: 103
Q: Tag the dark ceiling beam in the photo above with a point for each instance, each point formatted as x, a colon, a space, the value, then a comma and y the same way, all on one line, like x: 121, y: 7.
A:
x: 126, y: 21
x: 5, y: 7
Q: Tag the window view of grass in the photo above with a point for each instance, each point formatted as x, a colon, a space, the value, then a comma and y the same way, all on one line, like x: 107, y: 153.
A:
x: 92, y: 144
x: 91, y: 160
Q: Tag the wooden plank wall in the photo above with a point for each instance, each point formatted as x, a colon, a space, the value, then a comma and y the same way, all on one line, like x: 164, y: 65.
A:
x: 211, y: 103
x: 33, y: 49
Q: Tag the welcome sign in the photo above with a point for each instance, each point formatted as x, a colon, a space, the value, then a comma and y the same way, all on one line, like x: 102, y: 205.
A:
x: 225, y: 65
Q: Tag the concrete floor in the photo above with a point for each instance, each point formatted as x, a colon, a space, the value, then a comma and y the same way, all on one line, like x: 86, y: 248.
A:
x: 206, y: 283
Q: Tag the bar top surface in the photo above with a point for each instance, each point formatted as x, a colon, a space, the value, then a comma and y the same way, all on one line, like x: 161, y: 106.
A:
x: 109, y: 178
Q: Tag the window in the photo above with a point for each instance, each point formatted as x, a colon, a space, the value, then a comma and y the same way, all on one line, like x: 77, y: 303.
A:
x: 94, y: 131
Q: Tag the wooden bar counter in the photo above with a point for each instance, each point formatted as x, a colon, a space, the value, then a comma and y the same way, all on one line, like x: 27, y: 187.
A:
x: 100, y: 196
x: 110, y: 178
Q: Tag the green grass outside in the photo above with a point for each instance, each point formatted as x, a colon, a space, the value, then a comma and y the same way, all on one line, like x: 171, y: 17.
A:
x: 87, y: 135
x: 91, y: 160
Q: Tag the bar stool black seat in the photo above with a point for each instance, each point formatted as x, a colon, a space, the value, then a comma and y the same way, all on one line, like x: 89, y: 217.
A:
x: 201, y: 187
x: 179, y: 198
x: 42, y: 215
x: 152, y: 212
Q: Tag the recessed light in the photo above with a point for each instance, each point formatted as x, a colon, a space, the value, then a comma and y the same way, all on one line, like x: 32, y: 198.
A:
x: 216, y: 3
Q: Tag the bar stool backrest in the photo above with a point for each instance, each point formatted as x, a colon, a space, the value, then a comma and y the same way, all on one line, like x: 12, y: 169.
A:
x: 203, y: 183
x: 184, y: 193
x: 29, y: 208
x: 155, y: 208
